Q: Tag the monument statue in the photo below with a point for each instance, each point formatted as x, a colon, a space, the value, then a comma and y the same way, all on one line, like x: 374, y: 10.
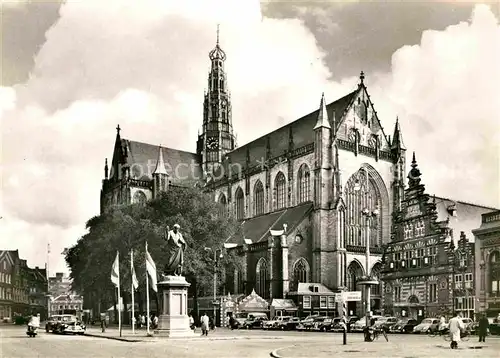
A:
x: 175, y: 251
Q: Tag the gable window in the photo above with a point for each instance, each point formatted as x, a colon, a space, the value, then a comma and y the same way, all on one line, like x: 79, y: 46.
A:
x: 280, y: 190
x: 468, y: 280
x: 258, y: 198
x: 304, y: 182
x: 240, y: 204
x: 306, y: 302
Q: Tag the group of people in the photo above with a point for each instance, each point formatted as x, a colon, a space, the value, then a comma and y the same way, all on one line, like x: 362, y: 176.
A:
x: 140, y: 321
x: 456, y: 329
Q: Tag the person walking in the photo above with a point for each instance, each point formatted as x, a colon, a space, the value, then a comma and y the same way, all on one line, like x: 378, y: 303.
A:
x: 483, y: 328
x: 456, y: 326
x: 205, y: 322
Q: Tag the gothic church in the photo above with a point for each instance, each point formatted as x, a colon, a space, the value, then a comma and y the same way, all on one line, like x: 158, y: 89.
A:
x: 298, y: 191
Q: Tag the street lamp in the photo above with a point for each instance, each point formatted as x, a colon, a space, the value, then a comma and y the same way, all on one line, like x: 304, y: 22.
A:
x: 226, y: 246
x: 367, y: 281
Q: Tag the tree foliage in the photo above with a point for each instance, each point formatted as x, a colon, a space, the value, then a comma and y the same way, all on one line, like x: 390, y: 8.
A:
x: 127, y: 228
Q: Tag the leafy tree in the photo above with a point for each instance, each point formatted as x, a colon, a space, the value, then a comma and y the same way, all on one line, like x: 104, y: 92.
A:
x: 130, y: 227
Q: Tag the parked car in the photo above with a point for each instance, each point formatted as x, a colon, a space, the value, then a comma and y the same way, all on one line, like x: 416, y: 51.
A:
x: 307, y: 323
x: 318, y: 322
x: 254, y: 322
x: 404, y: 325
x: 242, y: 317
x: 329, y: 323
x: 360, y: 324
x: 426, y: 325
x: 290, y: 325
x: 65, y: 324
x: 386, y: 323
x: 351, y: 321
x: 276, y: 322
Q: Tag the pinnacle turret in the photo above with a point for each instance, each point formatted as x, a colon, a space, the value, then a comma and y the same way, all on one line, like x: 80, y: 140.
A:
x: 397, y: 138
x: 160, y: 165
x: 322, y: 115
x: 414, y: 174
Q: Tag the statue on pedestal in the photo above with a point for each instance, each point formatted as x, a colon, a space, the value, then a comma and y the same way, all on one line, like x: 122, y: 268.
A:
x: 175, y: 251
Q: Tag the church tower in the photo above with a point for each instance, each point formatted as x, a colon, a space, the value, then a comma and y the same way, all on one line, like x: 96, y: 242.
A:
x: 216, y: 137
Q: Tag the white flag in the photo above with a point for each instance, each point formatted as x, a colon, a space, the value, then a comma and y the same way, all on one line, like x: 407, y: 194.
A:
x: 115, y: 271
x: 135, y: 283
x: 151, y: 269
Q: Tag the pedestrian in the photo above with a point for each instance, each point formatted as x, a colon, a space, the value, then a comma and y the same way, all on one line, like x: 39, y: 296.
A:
x: 205, y: 324
x: 455, y: 326
x: 191, y: 323
x: 483, y: 328
x: 103, y: 324
x: 143, y: 321
x: 155, y: 322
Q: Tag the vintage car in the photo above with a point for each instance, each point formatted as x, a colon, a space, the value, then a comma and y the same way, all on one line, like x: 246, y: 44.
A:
x: 386, y: 323
x: 64, y: 323
x: 426, y: 325
x: 290, y: 325
x: 360, y: 324
x: 276, y: 322
x: 404, y: 325
x: 307, y: 323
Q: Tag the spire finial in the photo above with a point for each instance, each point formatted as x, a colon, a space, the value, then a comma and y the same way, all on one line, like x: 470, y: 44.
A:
x: 322, y: 115
x: 218, y: 34
x: 362, y: 77
x: 118, y: 129
x: 413, y: 161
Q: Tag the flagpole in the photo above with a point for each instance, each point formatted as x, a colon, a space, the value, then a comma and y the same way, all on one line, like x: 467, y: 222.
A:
x: 119, y: 303
x: 147, y: 296
x: 132, y: 287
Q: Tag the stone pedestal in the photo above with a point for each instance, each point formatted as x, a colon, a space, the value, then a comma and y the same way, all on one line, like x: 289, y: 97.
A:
x: 173, y: 320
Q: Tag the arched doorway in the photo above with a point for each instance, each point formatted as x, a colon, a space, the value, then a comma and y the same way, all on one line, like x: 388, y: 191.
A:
x: 415, y: 308
x: 354, y: 274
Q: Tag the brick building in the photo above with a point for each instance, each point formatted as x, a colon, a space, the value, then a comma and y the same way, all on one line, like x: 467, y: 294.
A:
x: 488, y: 264
x: 23, y: 290
x: 428, y: 270
x: 307, y: 182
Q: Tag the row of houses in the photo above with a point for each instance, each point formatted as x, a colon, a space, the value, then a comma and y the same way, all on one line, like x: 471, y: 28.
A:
x: 25, y: 290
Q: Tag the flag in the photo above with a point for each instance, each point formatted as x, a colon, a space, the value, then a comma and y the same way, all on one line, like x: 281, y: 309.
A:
x: 115, y: 271
x: 135, y: 283
x: 151, y: 269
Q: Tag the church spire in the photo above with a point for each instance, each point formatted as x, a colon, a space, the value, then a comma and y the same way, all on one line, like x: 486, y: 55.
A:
x: 322, y: 115
x: 397, y: 138
x: 160, y: 165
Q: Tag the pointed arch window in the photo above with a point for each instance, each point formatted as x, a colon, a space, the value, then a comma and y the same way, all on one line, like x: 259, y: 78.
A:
x: 304, y: 183
x: 376, y: 291
x: 354, y: 273
x: 280, y: 190
x: 258, y: 198
x: 367, y: 197
x: 222, y: 205
x: 139, y: 197
x: 240, y: 204
x: 261, y: 278
x: 300, y: 273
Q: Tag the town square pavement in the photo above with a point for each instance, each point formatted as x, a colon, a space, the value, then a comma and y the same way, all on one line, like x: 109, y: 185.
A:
x: 227, y: 343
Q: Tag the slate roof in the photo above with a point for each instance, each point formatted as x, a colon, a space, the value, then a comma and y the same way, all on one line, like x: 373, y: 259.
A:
x: 468, y: 216
x: 302, y: 131
x: 283, y: 304
x: 181, y: 166
x: 307, y: 289
x: 257, y: 228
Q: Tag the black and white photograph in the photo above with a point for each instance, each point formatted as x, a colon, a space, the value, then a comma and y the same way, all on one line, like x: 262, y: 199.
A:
x: 245, y: 178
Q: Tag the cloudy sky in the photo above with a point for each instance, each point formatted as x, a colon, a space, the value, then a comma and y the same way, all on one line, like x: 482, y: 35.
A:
x: 72, y: 72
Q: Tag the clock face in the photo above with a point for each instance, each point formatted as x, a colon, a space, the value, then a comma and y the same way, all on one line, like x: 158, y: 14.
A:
x: 212, y: 143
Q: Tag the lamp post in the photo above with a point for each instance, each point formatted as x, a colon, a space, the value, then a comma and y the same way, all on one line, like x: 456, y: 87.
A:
x: 226, y: 246
x: 367, y: 281
x: 482, y: 290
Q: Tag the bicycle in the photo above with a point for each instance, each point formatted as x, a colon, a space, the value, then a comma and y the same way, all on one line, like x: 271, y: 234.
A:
x: 438, y: 332
x: 464, y: 336
x: 375, y: 334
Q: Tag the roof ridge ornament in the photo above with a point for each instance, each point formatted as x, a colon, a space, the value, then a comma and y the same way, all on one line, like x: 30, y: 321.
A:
x: 217, y: 53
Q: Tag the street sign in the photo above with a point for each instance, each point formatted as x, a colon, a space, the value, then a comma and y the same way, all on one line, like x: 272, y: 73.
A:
x: 352, y: 296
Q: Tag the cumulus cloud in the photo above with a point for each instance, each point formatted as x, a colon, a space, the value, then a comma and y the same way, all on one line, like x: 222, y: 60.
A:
x: 144, y: 65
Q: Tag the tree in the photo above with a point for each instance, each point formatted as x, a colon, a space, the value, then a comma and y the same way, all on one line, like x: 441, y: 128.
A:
x: 131, y: 227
